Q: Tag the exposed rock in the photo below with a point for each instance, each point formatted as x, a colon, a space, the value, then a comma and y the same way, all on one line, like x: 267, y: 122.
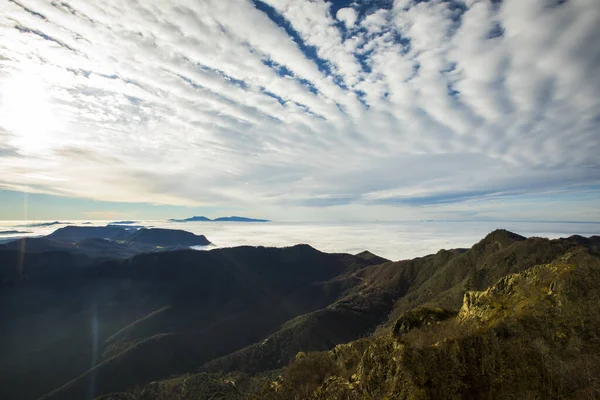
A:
x: 421, y: 316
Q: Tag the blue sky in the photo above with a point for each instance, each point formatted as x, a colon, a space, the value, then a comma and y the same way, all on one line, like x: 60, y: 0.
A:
x: 300, y: 110
x: 36, y: 206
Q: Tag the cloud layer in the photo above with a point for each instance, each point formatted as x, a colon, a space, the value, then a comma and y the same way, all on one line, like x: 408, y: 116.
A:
x: 300, y: 104
x: 395, y: 241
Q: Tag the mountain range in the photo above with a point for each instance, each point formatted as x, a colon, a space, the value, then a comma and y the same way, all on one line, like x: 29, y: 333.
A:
x: 220, y: 219
x: 510, y: 317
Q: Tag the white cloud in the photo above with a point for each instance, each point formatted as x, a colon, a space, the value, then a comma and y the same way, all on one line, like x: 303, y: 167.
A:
x: 213, y: 102
x: 348, y: 16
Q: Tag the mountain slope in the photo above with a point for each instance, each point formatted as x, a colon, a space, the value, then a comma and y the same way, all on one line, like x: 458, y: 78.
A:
x: 380, y: 294
x: 147, y: 309
x: 498, y: 254
x: 533, y: 334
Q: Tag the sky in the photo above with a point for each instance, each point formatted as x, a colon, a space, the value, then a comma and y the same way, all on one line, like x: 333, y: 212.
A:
x: 300, y: 110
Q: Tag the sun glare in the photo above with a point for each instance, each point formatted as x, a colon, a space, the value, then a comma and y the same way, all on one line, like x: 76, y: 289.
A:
x: 26, y: 112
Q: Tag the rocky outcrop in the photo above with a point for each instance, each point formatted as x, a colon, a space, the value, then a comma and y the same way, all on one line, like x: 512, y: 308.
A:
x: 419, y: 317
x: 516, y: 294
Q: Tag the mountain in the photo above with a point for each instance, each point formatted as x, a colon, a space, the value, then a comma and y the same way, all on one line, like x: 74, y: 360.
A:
x: 238, y: 219
x: 167, y: 237
x: 75, y: 233
x: 131, y: 235
x: 510, y: 317
x: 531, y: 334
x: 220, y: 219
x: 109, y: 241
x: 192, y: 219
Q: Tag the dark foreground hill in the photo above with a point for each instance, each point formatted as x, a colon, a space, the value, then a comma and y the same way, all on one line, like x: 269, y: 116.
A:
x: 129, y: 322
x: 509, y: 318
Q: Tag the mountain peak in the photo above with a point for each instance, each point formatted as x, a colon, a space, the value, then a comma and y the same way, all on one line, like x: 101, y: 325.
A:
x: 502, y: 237
x: 236, y: 218
x: 368, y: 256
x: 195, y: 218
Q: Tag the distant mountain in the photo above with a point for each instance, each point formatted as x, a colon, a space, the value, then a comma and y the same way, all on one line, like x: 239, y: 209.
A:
x: 13, y: 232
x: 220, y: 219
x: 167, y: 237
x: 122, y: 222
x: 239, y: 219
x: 75, y: 233
x: 192, y: 219
x: 111, y: 241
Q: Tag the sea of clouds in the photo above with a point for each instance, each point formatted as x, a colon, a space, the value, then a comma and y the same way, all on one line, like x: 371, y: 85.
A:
x: 392, y: 240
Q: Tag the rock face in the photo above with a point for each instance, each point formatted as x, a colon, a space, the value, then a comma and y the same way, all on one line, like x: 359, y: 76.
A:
x: 516, y: 294
x: 420, y: 317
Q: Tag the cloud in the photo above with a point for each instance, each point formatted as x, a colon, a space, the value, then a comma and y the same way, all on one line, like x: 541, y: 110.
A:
x: 105, y: 215
x: 347, y: 16
x: 275, y: 104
